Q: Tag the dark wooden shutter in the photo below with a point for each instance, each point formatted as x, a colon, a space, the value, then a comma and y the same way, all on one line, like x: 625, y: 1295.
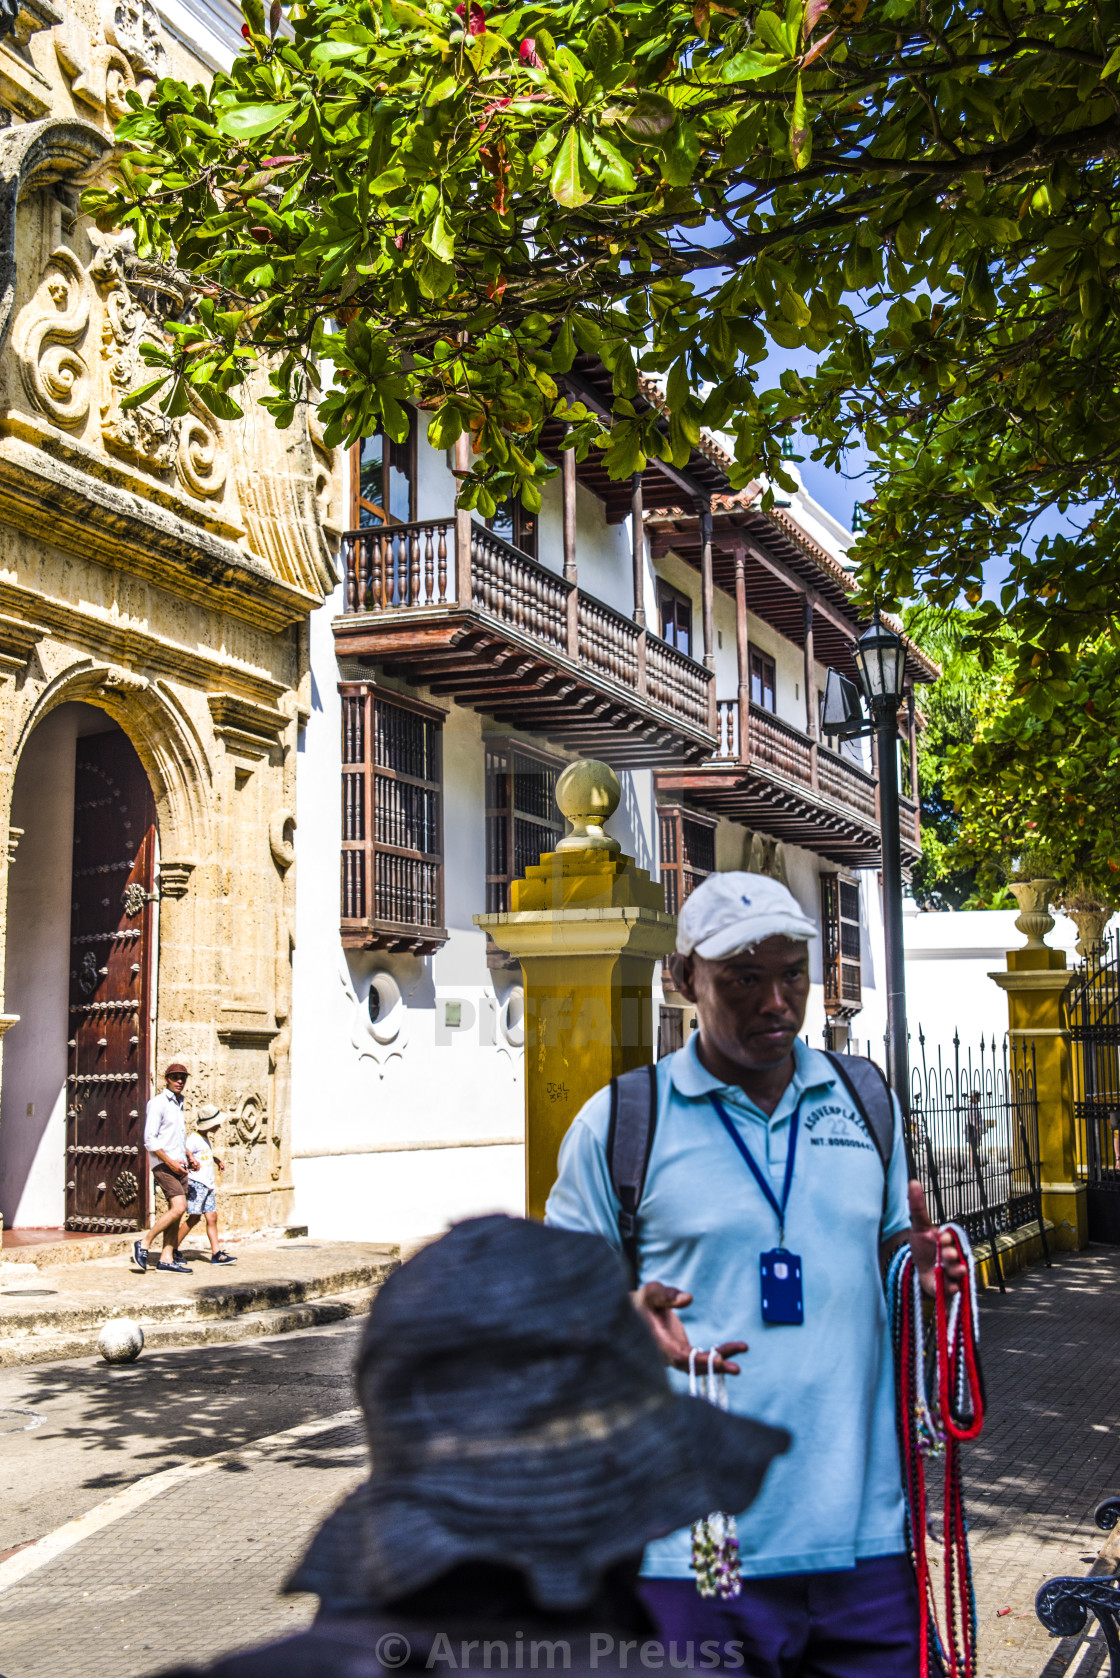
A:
x: 843, y: 995
x: 522, y: 820
x: 392, y: 822
x: 688, y: 853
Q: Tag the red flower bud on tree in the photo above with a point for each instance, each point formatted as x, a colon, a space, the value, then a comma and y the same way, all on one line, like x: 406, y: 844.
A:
x: 528, y: 53
x: 476, y: 24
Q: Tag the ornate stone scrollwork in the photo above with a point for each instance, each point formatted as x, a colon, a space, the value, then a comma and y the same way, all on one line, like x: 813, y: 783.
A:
x: 55, y: 375
x: 281, y: 826
x: 134, y: 27
x: 139, y: 297
x: 249, y: 1122
x: 200, y: 462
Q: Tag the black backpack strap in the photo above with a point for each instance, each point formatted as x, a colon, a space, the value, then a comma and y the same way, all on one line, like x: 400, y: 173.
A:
x: 629, y: 1145
x: 869, y: 1090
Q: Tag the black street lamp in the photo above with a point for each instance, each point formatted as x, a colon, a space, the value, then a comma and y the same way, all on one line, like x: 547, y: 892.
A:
x: 881, y: 666
x: 880, y: 658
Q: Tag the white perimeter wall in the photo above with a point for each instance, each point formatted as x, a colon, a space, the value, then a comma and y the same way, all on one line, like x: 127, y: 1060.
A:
x: 37, y: 979
x: 949, y: 956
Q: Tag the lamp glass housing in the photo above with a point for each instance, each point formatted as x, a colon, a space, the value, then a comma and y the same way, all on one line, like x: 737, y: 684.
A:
x: 880, y: 659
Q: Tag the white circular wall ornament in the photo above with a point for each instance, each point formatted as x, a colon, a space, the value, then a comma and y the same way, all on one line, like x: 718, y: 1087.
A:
x: 121, y: 1340
x: 511, y: 1020
x: 385, y: 1007
x: 379, y: 1020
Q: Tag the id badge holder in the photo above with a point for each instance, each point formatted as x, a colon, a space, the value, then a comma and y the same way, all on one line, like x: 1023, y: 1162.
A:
x: 782, y: 1301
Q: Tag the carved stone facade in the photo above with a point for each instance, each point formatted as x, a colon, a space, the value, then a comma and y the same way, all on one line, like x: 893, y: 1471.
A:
x: 160, y: 570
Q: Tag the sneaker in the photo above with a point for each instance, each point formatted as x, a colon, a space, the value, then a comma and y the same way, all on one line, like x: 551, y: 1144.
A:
x: 139, y: 1255
x: 223, y: 1258
x: 184, y: 1269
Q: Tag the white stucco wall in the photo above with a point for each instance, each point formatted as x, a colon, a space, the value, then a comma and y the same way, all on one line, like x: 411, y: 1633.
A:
x: 37, y: 978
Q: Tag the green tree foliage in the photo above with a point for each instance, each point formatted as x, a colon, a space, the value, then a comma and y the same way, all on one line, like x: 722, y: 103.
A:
x: 921, y: 194
x: 950, y: 874
x: 1048, y: 783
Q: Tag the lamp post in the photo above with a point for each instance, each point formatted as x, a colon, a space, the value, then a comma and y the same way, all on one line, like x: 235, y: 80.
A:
x: 880, y: 658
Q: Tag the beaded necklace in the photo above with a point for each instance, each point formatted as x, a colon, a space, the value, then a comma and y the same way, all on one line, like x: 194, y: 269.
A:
x: 938, y: 1425
x: 715, y: 1538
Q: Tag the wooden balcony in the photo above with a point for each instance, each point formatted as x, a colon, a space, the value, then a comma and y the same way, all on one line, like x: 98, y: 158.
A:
x: 447, y: 604
x: 790, y: 786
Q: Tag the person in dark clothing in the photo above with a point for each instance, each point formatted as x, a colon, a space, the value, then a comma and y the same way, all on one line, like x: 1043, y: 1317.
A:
x: 525, y: 1447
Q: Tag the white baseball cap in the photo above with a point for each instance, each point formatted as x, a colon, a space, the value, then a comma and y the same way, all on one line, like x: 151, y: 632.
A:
x: 729, y: 913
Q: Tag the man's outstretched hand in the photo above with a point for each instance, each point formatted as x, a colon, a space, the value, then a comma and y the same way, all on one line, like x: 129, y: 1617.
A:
x: 925, y: 1238
x: 657, y: 1305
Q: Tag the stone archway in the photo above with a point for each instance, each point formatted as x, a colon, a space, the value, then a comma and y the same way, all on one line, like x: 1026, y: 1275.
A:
x: 49, y: 1174
x: 79, y: 973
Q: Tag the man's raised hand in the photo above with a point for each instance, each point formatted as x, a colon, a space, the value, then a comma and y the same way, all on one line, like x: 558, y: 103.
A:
x: 657, y: 1304
x: 925, y: 1239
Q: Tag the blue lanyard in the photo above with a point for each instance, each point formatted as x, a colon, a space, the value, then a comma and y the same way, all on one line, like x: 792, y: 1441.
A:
x: 757, y: 1173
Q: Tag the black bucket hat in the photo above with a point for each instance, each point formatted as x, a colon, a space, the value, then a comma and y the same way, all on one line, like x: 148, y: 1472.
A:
x: 519, y: 1413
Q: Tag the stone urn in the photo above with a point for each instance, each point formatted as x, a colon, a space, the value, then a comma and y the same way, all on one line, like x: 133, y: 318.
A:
x: 1090, y: 921
x: 1034, y: 918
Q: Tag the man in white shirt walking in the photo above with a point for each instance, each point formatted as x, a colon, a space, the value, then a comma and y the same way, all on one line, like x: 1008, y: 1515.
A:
x: 165, y: 1137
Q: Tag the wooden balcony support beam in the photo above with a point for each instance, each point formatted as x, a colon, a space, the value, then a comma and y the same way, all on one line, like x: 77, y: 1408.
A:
x: 743, y: 652
x: 799, y: 586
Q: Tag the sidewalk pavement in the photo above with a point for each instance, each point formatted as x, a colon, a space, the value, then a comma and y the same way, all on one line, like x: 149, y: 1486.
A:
x: 1050, y: 1449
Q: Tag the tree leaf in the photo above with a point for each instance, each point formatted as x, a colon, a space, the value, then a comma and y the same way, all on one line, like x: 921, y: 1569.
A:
x: 248, y: 122
x: 800, y: 135
x: 565, y: 183
x: 651, y: 118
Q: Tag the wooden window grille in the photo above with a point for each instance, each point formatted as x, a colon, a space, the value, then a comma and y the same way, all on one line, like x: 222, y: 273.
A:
x: 670, y: 1031
x: 522, y: 820
x: 675, y: 611
x: 688, y: 853
x: 392, y: 821
x: 515, y: 524
x: 763, y: 680
x: 843, y: 994
x: 383, y: 480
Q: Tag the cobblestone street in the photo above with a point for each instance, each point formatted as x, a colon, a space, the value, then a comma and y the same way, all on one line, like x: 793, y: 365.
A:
x: 196, y: 1569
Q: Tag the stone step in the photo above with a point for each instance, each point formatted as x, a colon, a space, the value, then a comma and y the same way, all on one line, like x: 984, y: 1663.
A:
x: 284, y: 1319
x: 49, y: 1313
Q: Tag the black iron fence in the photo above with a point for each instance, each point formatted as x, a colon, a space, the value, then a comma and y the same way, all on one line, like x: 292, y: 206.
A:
x: 974, y: 1135
x: 1093, y: 1008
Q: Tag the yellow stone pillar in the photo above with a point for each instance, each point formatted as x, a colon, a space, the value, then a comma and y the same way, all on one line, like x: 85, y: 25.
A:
x: 1036, y: 983
x: 587, y: 925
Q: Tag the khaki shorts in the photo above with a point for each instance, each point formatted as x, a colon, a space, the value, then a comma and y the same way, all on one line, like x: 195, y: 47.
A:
x: 170, y: 1181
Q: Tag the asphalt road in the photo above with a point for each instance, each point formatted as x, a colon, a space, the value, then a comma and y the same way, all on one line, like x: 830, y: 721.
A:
x: 72, y: 1433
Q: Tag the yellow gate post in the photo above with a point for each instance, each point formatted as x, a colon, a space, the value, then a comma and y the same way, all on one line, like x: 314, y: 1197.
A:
x: 1036, y: 983
x: 587, y: 925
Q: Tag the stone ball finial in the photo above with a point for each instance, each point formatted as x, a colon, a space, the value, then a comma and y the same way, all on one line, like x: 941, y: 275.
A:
x: 588, y: 793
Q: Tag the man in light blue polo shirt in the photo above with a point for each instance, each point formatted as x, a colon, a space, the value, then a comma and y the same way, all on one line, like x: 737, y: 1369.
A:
x: 828, y: 1588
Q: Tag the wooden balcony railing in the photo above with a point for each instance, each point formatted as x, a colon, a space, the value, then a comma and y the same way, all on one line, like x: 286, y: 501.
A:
x: 402, y: 568
x: 778, y: 745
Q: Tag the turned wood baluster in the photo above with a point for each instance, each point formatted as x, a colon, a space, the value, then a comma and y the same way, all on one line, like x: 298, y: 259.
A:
x: 413, y: 547
x: 361, y: 567
x: 352, y: 574
x: 442, y: 564
x: 429, y: 568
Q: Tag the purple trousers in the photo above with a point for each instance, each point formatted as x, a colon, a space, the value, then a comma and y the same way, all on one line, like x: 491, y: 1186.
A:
x: 861, y: 1623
